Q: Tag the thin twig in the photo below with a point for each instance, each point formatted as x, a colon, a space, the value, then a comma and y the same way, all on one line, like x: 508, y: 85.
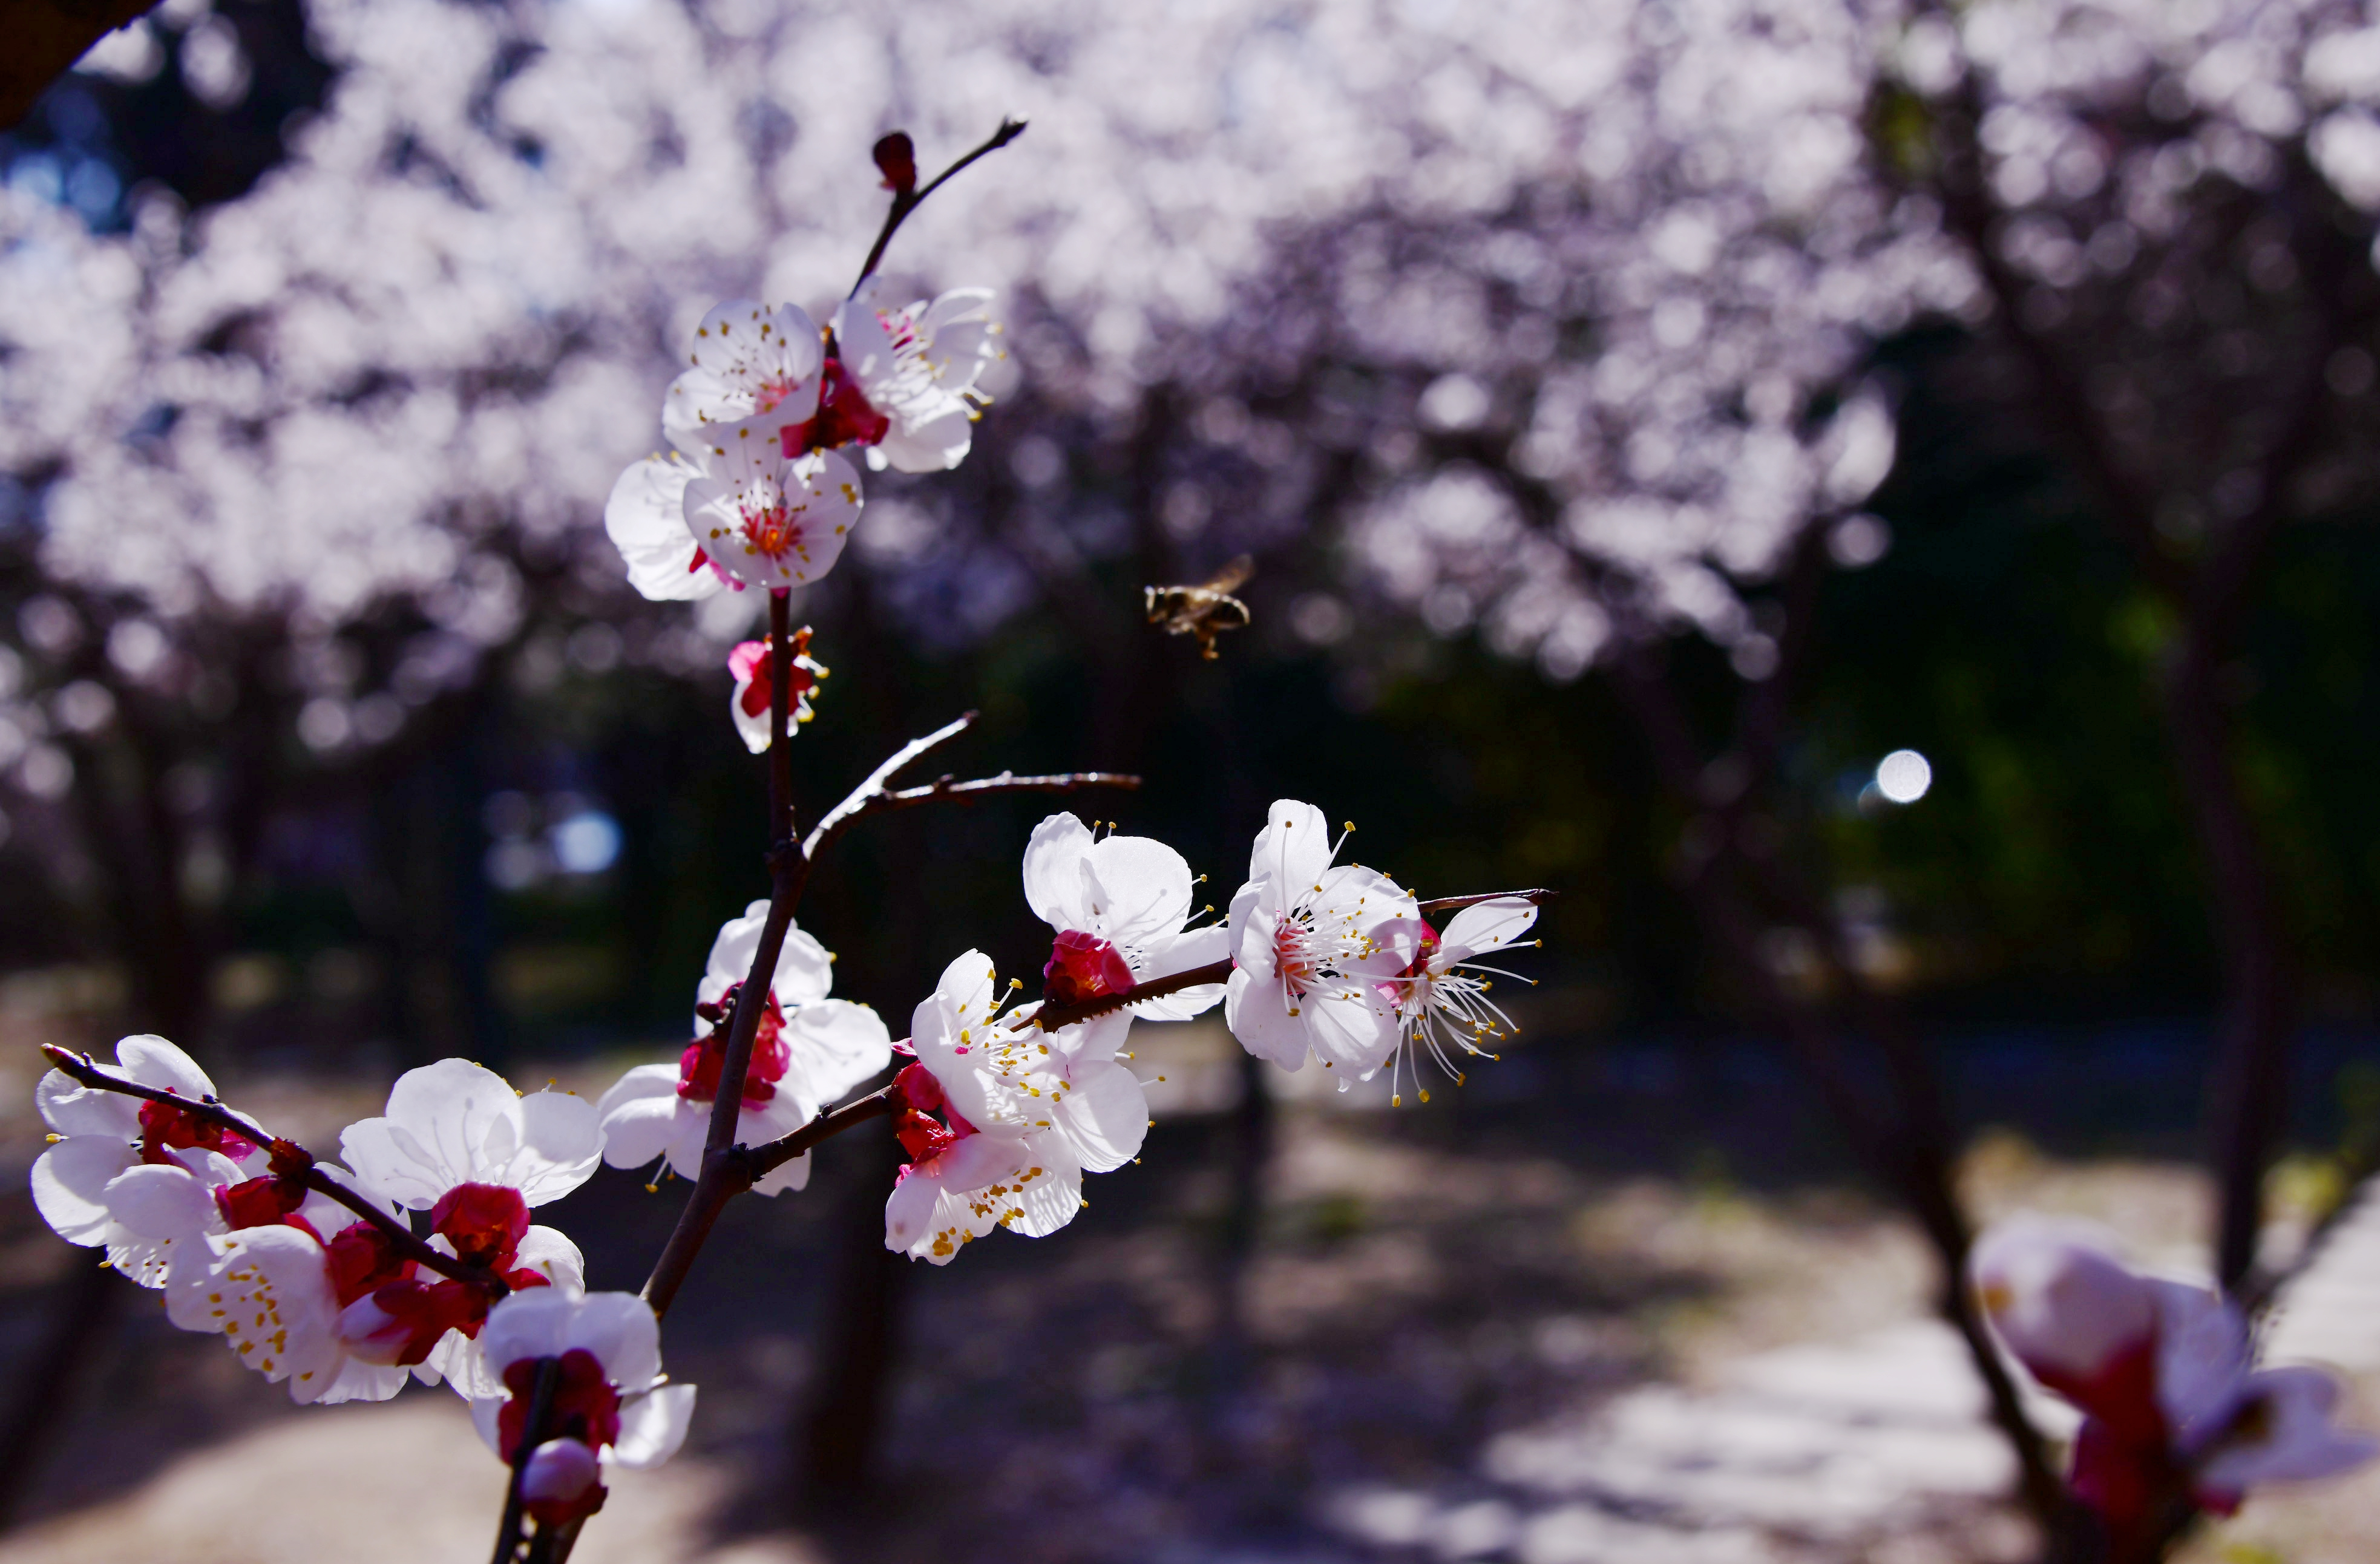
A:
x: 857, y: 799
x: 1448, y: 903
x: 540, y: 1411
x: 760, y: 1161
x: 908, y: 201
x: 81, y: 1068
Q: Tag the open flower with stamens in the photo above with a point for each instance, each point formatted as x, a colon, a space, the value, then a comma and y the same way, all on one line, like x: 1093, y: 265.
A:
x: 99, y: 1136
x: 809, y: 1050
x: 1318, y: 948
x: 1024, y: 1121
x: 752, y: 364
x: 767, y: 519
x: 1119, y: 904
x: 1442, y: 999
x: 608, y: 1398
x: 902, y: 384
x: 750, y: 665
x: 2177, y: 1418
x: 459, y: 1142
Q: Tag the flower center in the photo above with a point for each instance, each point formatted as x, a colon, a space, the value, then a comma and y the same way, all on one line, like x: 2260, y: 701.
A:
x: 1293, y: 955
x: 845, y: 417
x: 700, y: 1066
x: 772, y: 529
x: 1083, y: 966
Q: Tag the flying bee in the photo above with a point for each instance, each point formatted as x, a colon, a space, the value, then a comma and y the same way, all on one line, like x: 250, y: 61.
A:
x: 1203, y: 610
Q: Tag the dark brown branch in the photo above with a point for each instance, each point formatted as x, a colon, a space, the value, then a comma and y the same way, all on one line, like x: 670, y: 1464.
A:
x: 540, y: 1412
x: 81, y: 1068
x: 908, y: 201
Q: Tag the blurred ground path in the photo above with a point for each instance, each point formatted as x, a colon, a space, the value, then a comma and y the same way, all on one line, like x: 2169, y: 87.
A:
x: 371, y: 1484
x: 1801, y: 1452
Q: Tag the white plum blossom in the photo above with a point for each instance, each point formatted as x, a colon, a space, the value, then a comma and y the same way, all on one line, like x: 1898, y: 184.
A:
x: 809, y: 1052
x: 609, y: 1397
x: 1025, y: 1121
x: 1118, y: 905
x: 100, y: 1135
x: 2175, y: 1409
x: 767, y: 519
x: 749, y: 665
x: 457, y: 1141
x: 1320, y: 947
x: 1441, y: 998
x: 755, y: 365
x: 916, y: 370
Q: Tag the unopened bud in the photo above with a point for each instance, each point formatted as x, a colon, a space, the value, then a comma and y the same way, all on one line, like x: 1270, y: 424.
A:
x: 918, y: 1088
x: 559, y: 1470
x: 897, y: 157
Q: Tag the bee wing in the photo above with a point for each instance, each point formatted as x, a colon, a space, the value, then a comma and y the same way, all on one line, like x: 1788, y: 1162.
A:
x: 1228, y: 614
x: 1230, y: 576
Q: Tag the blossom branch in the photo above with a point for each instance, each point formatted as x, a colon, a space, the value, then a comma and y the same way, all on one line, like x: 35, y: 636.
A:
x: 289, y: 1160
x: 906, y: 202
x: 859, y: 798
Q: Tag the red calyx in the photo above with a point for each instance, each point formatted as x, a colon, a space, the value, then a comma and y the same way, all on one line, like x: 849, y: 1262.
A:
x: 164, y: 1125
x: 845, y: 417
x: 1427, y: 947
x: 260, y: 1203
x: 362, y: 1260
x: 586, y: 1407
x: 705, y: 1060
x: 896, y: 159
x: 1083, y: 966
x: 427, y: 1309
x: 484, y: 1222
x: 917, y: 1089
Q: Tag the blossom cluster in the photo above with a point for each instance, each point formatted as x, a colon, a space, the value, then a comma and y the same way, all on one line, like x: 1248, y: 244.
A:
x: 245, y: 1240
x: 1002, y: 1114
x: 2177, y: 1416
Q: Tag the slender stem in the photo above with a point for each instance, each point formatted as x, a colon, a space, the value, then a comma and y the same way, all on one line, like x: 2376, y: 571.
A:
x: 760, y: 1161
x: 908, y: 201
x: 1050, y: 1017
x: 540, y: 1411
x: 81, y: 1068
x: 1449, y: 903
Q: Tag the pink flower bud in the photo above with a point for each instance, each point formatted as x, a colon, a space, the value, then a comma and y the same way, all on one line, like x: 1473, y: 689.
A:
x: 558, y: 1484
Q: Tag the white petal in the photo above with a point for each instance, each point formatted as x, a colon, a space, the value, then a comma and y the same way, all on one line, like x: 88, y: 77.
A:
x: 652, y: 1426
x: 153, y: 1062
x: 805, y: 972
x: 644, y: 518
x: 1143, y: 888
x: 1258, y: 1015
x: 1486, y: 926
x: 163, y: 1201
x: 793, y: 1173
x: 1105, y: 1118
x: 550, y: 1253
x: 1054, y: 886
x: 620, y: 1329
x: 1294, y: 846
x: 70, y: 1183
x: 74, y: 1110
x: 833, y: 1046
x: 1048, y: 1192
x: 639, y: 1129
x: 534, y: 1323
x: 562, y: 1141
